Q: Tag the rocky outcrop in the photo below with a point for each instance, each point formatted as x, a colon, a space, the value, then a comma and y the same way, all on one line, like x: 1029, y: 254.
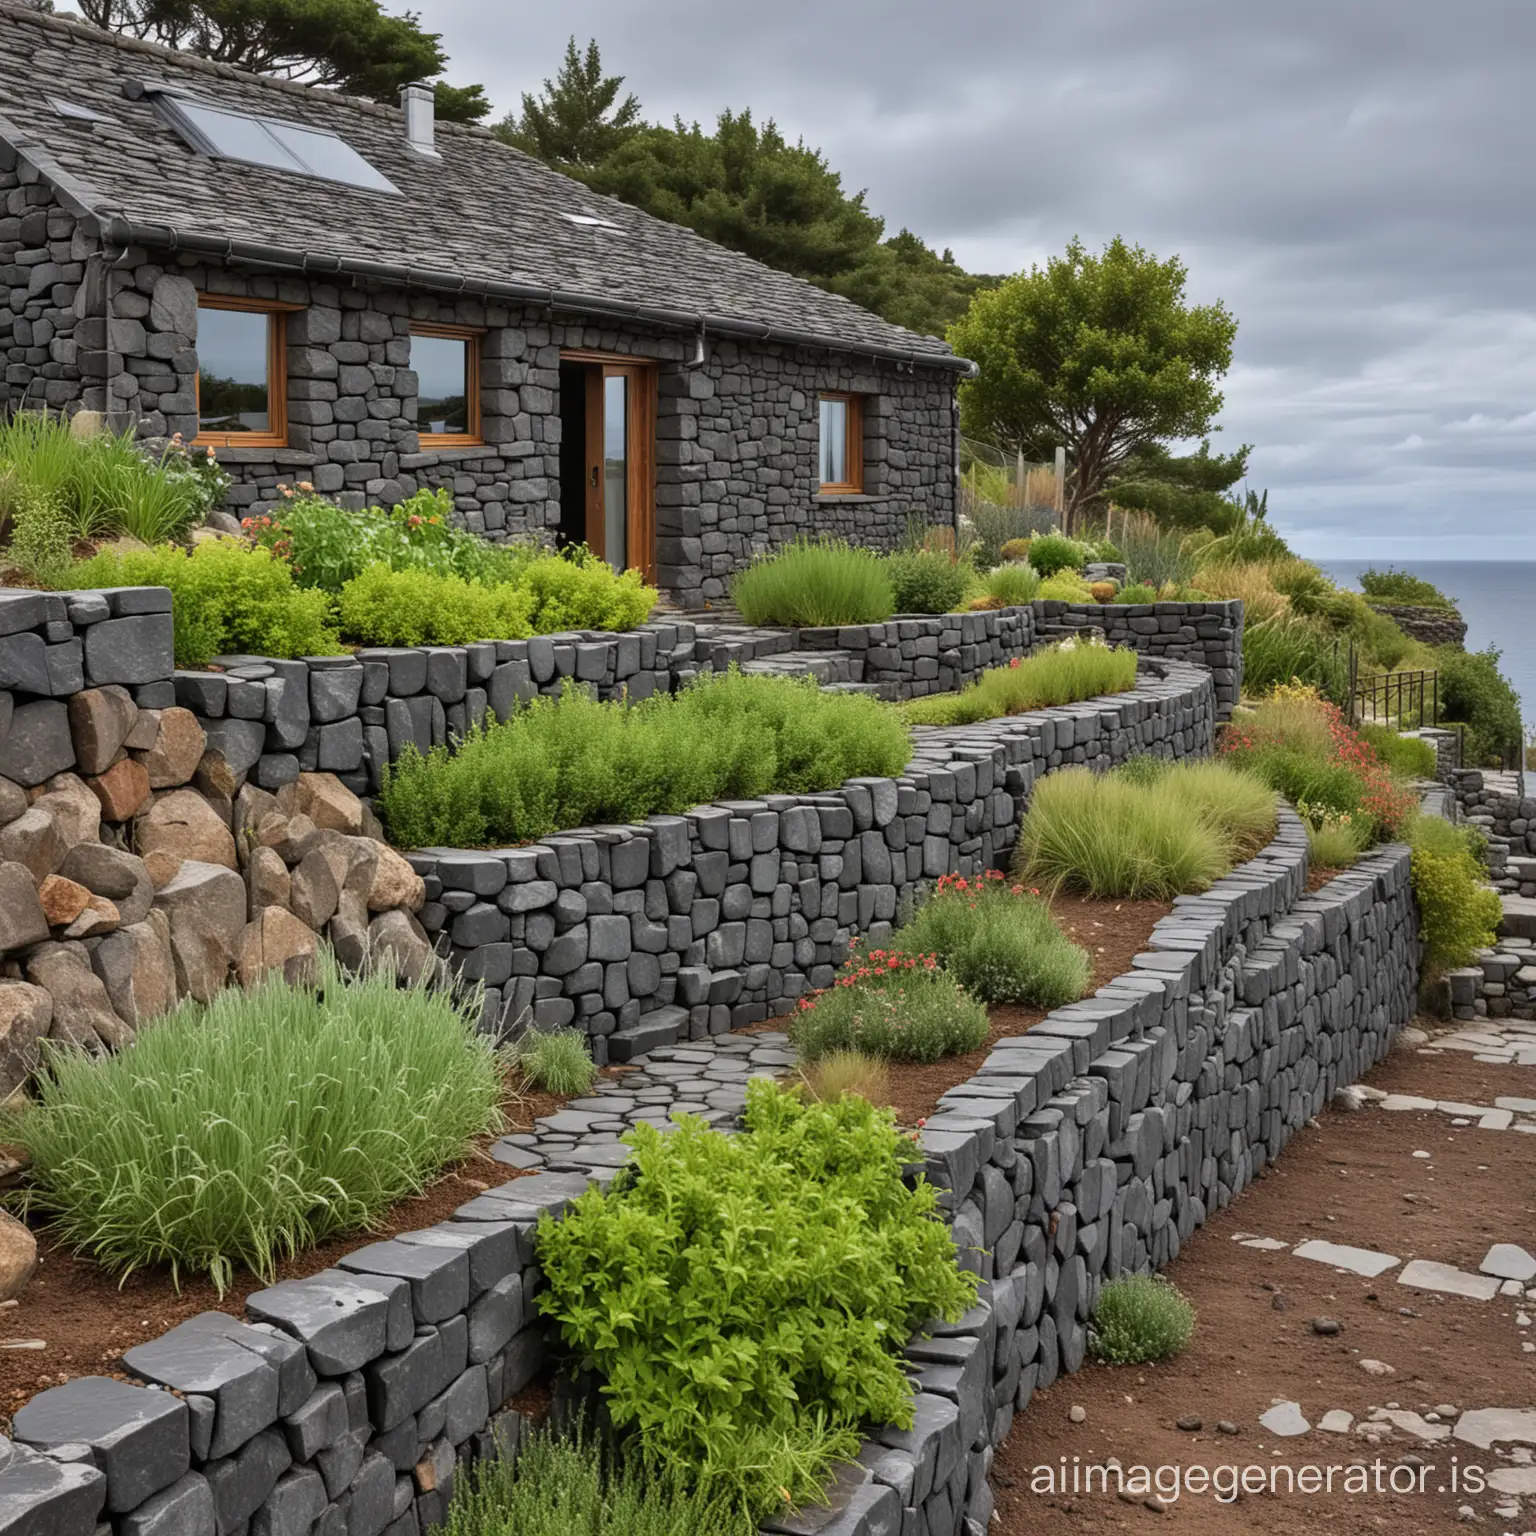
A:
x: 145, y: 875
x: 1431, y: 626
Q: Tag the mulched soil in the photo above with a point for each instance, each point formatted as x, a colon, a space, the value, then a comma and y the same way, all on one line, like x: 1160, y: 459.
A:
x: 87, y: 1320
x: 1352, y: 1179
x: 1111, y: 931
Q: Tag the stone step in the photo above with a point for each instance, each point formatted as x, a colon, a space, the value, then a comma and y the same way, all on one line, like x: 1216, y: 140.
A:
x: 661, y: 1026
x: 1519, y: 921
x: 825, y: 666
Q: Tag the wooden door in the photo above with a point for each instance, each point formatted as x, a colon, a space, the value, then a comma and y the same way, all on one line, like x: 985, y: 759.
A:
x: 620, y: 489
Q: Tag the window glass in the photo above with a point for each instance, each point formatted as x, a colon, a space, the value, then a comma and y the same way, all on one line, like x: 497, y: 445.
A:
x: 234, y: 390
x: 615, y: 470
x: 330, y: 157
x: 238, y: 137
x: 442, y: 373
x: 834, y: 442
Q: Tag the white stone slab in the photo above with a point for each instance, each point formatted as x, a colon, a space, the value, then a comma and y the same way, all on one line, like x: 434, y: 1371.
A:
x: 1411, y: 1423
x: 1425, y: 1275
x: 1515, y: 1480
x: 1336, y: 1422
x: 1518, y: 1106
x: 1285, y: 1420
x: 1407, y: 1101
x: 1451, y: 1107
x: 1509, y: 1262
x: 1483, y: 1426
x: 1496, y: 1120
x: 1358, y: 1261
x: 1265, y: 1244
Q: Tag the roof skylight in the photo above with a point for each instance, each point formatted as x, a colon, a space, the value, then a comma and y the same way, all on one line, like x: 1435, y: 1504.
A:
x: 589, y: 220
x: 281, y: 146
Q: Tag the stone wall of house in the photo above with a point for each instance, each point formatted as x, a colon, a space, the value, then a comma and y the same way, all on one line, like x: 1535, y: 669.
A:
x: 683, y: 927
x: 736, y: 448
x: 347, y: 1403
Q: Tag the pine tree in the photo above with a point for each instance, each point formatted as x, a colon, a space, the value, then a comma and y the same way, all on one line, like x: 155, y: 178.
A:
x: 579, y: 121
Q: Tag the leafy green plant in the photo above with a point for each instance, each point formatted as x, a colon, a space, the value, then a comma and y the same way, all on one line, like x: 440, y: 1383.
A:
x: 1137, y: 592
x: 928, y: 580
x: 1459, y: 912
x: 417, y: 607
x: 1410, y: 756
x: 1476, y: 693
x: 40, y: 535
x: 1394, y: 586
x: 567, y: 1486
x: 1014, y: 583
x: 1110, y: 835
x: 226, y: 598
x: 1059, y: 674
x: 571, y: 761
x: 999, y: 941
x: 1065, y: 587
x: 813, y: 582
x: 557, y: 1060
x: 747, y: 1297
x: 258, y: 1125
x: 1053, y: 552
x: 893, y: 1004
x: 1141, y: 1318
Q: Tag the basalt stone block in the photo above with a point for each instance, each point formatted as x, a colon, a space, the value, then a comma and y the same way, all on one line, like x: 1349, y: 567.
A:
x: 439, y: 1276
x: 286, y: 1356
x: 293, y: 1506
x: 342, y: 1319
x: 400, y: 1384
x: 241, y: 1483
x: 335, y: 693
x: 43, y: 1497
x: 318, y: 1422
x: 24, y: 663
x: 132, y: 650
x: 239, y: 742
x: 38, y: 743
x: 23, y: 610
x: 495, y: 1318
x: 494, y: 1249
x: 183, y: 1509
x: 138, y: 1438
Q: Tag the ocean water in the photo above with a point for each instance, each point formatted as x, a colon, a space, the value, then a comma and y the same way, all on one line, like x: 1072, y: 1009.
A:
x: 1497, y: 599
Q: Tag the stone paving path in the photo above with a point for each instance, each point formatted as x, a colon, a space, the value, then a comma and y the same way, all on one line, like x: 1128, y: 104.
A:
x: 707, y: 1078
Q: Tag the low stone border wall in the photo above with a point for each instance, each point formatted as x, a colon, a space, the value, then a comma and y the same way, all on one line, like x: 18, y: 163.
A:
x: 687, y: 926
x: 1092, y: 1146
x: 1495, y: 804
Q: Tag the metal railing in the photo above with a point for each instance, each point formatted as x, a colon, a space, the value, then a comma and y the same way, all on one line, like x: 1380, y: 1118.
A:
x: 1406, y: 700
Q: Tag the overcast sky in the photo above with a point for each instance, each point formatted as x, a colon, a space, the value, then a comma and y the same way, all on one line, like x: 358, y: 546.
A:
x: 1352, y: 177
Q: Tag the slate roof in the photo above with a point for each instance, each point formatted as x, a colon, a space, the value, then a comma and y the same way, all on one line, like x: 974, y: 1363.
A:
x: 484, y: 211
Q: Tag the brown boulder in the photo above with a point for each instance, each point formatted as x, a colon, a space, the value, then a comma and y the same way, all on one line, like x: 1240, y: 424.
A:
x: 252, y: 806
x: 18, y: 1256
x: 214, y: 777
x: 266, y: 877
x: 395, y: 884
x: 25, y: 1014
x: 13, y: 801
x: 114, y: 873
x: 399, y: 943
x: 277, y: 941
x: 99, y: 917
x: 178, y: 749
x: 82, y: 1011
x: 290, y: 836
x: 145, y: 729
x: 34, y: 840
x: 328, y: 803
x: 122, y: 790
x: 314, y: 889
x: 162, y: 867
x: 206, y: 907
x: 74, y: 806
x: 63, y: 900
x: 182, y: 823
x: 137, y: 968
x: 22, y: 919
x: 99, y: 722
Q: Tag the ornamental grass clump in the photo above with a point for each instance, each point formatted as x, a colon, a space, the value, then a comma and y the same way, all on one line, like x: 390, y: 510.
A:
x: 813, y: 582
x: 1058, y: 674
x: 247, y: 1130
x: 557, y: 1060
x: 1141, y: 1318
x: 1117, y: 835
x: 571, y: 761
x: 890, y: 1003
x: 747, y: 1298
x: 999, y: 941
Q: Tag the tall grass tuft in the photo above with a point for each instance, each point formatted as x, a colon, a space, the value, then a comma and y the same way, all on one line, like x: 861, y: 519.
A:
x: 1295, y: 647
x: 1153, y: 555
x: 1015, y: 582
x: 1059, y: 674
x: 846, y: 1071
x: 248, y: 1130
x: 814, y: 582
x: 1108, y: 835
x: 557, y: 1060
x: 572, y: 762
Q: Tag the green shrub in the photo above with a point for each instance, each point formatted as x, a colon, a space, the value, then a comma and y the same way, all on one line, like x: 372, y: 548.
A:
x: 557, y: 1060
x: 1394, y: 586
x: 999, y: 942
x: 1108, y: 835
x: 1015, y: 583
x: 892, y: 1004
x: 1141, y: 1318
x: 1459, y: 912
x: 576, y: 590
x: 1053, y: 552
x: 257, y: 1126
x: 1476, y: 693
x: 40, y: 534
x: 228, y: 598
x: 814, y: 582
x: 385, y: 607
x: 571, y: 761
x: 747, y: 1298
x: 1294, y: 647
x: 555, y: 1486
x: 1059, y: 674
x: 1411, y: 756
x: 1065, y: 587
x: 928, y: 580
x: 1137, y: 592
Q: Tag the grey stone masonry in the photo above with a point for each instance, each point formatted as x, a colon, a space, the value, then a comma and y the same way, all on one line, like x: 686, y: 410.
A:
x: 1498, y: 805
x: 1092, y: 1146
x: 683, y: 927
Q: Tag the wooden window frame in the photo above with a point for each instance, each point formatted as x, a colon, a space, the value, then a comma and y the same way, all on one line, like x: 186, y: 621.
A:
x: 276, y: 312
x: 473, y: 339
x: 644, y: 375
x: 853, y: 446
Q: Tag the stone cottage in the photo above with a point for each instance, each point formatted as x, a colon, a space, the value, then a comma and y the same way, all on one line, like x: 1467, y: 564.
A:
x: 334, y: 291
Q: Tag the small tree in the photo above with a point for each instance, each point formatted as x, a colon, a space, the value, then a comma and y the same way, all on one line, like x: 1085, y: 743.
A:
x: 1101, y: 354
x: 579, y: 120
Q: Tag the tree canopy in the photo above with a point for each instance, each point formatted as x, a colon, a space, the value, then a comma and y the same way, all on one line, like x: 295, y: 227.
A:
x: 353, y: 45
x: 1181, y: 491
x: 1101, y: 354
x: 742, y: 185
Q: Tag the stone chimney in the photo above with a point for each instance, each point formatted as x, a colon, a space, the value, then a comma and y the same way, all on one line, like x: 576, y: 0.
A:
x: 417, y: 102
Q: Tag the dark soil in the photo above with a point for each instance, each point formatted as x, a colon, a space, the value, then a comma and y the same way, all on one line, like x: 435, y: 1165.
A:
x: 1353, y: 1179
